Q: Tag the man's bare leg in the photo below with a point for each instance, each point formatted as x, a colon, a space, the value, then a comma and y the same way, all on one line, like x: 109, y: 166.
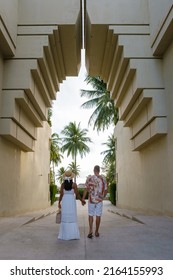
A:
x: 90, y: 219
x: 90, y: 224
x: 98, y: 220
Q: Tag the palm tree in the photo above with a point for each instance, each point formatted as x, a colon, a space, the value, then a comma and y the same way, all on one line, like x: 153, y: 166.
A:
x: 60, y: 174
x: 74, y: 169
x: 105, y: 112
x: 109, y: 153
x: 49, y: 116
x: 55, y: 139
x: 55, y: 155
x: 109, y: 160
x: 74, y: 141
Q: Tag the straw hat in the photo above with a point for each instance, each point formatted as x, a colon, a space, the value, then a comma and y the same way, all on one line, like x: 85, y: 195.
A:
x: 68, y: 174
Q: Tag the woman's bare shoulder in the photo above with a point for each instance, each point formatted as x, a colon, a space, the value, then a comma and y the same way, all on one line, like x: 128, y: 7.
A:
x: 74, y: 186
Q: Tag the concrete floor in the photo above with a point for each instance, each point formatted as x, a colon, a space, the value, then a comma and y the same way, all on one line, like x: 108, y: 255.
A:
x: 124, y: 235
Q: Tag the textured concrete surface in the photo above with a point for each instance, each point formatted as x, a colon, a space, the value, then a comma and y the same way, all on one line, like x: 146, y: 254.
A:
x: 123, y: 235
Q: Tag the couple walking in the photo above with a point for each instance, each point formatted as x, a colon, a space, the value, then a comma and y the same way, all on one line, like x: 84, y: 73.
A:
x: 96, y: 186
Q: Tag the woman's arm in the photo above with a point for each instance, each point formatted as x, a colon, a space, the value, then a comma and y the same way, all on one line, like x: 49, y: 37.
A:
x: 60, y: 197
x: 84, y: 194
x: 77, y: 193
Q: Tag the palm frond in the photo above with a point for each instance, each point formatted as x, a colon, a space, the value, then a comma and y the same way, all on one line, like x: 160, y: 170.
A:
x: 105, y: 113
x: 90, y: 103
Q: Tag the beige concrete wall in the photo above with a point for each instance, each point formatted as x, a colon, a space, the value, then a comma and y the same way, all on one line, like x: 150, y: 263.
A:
x: 143, y: 177
x: 67, y: 15
x: 158, y: 12
x: 1, y: 78
x: 8, y: 26
x: 49, y: 12
x: 24, y: 184
x: 40, y: 43
x: 9, y: 17
x: 117, y: 11
x: 132, y: 51
x: 168, y: 183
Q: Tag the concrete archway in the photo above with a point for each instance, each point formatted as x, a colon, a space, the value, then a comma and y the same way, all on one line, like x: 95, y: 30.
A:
x: 128, y: 44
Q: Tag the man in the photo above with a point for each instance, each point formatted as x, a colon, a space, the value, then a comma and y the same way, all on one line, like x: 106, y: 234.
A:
x: 97, y: 187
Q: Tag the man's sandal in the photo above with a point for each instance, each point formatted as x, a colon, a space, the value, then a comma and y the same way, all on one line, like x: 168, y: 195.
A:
x: 90, y: 235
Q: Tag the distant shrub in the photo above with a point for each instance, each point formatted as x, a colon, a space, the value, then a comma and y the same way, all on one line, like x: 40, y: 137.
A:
x: 53, y: 192
x: 112, y: 191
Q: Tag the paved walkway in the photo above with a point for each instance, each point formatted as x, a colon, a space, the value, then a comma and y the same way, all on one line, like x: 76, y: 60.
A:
x: 123, y: 235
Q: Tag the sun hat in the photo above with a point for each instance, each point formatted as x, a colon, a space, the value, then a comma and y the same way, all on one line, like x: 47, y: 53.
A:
x: 68, y: 175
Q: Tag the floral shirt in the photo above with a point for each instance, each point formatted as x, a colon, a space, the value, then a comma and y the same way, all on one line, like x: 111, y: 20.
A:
x: 96, y: 185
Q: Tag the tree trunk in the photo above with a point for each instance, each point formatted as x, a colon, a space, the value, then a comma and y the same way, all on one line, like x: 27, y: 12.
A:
x: 75, y: 168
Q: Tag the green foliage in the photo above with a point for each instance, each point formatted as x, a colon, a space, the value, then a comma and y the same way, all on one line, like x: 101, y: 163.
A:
x: 60, y: 174
x: 74, y: 168
x: 109, y: 153
x: 53, y: 192
x: 75, y: 141
x: 55, y: 155
x: 109, y: 161
x: 81, y: 193
x: 105, y: 113
x: 49, y: 117
x: 112, y: 191
x: 51, y: 177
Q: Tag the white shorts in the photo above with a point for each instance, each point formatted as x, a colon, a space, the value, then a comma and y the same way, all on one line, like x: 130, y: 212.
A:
x: 95, y: 209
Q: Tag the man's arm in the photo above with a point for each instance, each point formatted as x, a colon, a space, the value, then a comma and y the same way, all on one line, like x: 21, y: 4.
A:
x: 105, y: 192
x: 105, y: 187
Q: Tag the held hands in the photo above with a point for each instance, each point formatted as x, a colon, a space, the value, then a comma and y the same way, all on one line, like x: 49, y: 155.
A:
x: 83, y: 202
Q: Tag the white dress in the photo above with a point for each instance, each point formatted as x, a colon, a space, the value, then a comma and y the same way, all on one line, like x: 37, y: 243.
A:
x: 68, y: 226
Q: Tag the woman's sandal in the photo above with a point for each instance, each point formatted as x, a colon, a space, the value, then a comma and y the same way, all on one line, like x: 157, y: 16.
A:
x: 96, y: 234
x: 90, y: 235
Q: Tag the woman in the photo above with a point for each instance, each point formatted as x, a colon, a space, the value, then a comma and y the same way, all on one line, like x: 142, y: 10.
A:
x: 67, y: 202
